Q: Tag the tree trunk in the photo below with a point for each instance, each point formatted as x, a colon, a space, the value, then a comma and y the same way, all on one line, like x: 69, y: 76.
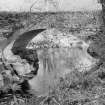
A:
x: 103, y: 10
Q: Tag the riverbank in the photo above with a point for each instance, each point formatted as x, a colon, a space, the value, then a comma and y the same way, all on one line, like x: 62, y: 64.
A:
x: 76, y: 88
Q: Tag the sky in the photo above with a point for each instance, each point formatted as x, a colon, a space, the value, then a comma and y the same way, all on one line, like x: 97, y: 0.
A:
x: 66, y: 5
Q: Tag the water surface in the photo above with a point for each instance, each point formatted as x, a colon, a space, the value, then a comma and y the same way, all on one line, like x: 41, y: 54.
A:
x: 55, y: 63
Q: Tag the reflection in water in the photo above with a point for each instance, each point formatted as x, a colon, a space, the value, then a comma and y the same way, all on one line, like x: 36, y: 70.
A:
x: 55, y: 62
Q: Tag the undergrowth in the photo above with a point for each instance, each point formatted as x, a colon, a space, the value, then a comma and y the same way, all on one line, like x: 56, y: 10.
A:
x: 75, y: 89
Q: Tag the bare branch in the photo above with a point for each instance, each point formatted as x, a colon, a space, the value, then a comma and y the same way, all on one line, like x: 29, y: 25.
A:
x: 33, y: 5
x: 54, y: 3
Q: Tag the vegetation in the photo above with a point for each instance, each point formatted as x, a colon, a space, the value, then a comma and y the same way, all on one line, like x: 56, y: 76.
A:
x: 76, y: 88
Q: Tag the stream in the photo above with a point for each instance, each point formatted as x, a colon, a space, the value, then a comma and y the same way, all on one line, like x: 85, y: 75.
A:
x: 55, y: 63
